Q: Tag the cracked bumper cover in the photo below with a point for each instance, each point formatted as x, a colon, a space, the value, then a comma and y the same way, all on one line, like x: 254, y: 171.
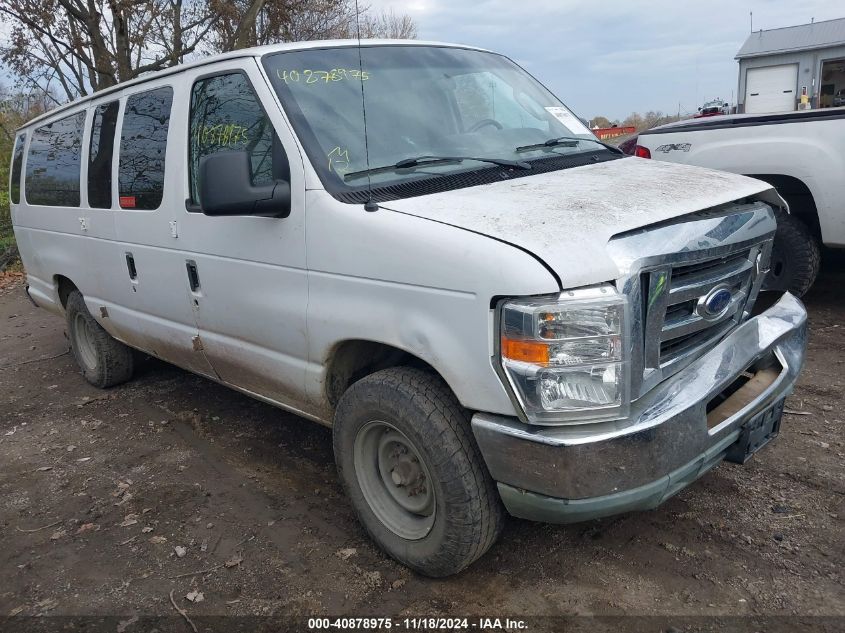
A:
x: 573, y: 473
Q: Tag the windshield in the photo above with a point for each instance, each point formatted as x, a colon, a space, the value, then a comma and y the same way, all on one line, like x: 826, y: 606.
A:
x: 421, y: 101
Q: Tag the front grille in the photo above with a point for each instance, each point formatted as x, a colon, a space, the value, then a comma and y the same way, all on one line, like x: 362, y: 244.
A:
x: 677, y: 319
x: 708, y: 268
x: 688, y: 343
x: 669, y: 270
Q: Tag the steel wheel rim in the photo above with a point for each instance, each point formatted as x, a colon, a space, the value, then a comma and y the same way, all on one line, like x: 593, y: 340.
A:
x: 84, y: 342
x: 394, y: 480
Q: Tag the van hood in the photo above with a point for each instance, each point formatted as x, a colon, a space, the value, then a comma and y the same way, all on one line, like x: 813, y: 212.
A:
x: 566, y: 218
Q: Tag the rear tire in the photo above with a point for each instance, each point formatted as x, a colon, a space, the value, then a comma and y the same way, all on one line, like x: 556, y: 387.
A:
x: 407, y: 458
x: 796, y: 257
x: 104, y: 361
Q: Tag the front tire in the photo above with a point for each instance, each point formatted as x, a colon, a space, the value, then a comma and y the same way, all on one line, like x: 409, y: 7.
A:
x: 104, y: 361
x: 410, y: 465
x: 796, y: 257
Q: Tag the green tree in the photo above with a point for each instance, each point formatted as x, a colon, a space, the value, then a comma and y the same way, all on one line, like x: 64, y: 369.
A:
x: 15, y: 110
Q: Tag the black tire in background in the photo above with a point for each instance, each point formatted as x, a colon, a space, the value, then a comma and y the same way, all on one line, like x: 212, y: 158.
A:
x: 104, y: 361
x: 796, y: 257
x: 465, y: 515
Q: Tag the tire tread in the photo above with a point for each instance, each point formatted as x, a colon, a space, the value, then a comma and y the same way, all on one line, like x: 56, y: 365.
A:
x: 476, y: 522
x: 800, y: 252
x: 115, y: 361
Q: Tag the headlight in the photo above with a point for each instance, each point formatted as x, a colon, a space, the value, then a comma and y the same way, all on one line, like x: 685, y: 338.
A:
x: 566, y: 357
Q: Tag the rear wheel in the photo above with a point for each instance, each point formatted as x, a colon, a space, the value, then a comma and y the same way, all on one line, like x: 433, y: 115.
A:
x: 104, y: 361
x: 410, y: 465
x: 796, y: 257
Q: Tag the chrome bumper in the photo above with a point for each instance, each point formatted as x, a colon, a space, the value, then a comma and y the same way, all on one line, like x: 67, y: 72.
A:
x: 571, y: 473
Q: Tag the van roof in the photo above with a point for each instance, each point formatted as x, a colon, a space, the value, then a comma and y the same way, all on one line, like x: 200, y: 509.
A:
x: 255, y: 51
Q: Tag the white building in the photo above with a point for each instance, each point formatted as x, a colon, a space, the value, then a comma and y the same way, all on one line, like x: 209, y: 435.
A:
x: 778, y: 65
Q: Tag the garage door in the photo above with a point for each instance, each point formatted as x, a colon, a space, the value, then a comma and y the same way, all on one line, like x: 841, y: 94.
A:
x: 771, y: 89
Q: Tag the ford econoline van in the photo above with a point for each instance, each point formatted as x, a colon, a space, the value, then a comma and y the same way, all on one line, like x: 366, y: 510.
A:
x: 420, y: 246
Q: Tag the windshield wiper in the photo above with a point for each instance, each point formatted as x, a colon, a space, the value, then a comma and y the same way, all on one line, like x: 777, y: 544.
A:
x: 566, y: 141
x: 426, y: 161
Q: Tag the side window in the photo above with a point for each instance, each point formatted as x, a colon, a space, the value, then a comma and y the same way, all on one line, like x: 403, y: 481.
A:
x: 226, y: 115
x: 54, y: 162
x: 143, y: 145
x: 100, y: 155
x: 17, y: 163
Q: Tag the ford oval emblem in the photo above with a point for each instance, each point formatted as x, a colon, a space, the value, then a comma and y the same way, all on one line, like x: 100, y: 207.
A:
x: 715, y: 302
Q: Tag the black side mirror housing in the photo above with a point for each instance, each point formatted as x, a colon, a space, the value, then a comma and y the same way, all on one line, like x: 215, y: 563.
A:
x: 226, y: 188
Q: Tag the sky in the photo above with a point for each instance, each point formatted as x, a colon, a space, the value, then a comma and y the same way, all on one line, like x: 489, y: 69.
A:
x: 615, y: 57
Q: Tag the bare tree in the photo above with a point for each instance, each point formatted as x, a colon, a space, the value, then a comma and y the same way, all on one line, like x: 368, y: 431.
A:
x: 86, y: 45
x: 650, y: 119
x: 243, y: 23
x: 653, y: 118
x: 387, y: 25
x: 635, y: 119
x: 80, y: 46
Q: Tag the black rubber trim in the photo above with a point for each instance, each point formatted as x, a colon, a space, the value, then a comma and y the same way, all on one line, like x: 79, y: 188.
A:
x: 29, y: 296
x: 825, y: 114
x: 428, y: 184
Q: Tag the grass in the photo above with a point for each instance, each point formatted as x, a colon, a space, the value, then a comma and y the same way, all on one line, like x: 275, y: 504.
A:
x: 6, y: 239
x: 7, y: 235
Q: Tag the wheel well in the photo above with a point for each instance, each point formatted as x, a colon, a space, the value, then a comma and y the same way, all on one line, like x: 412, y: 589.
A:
x: 797, y: 194
x: 353, y: 360
x: 65, y: 287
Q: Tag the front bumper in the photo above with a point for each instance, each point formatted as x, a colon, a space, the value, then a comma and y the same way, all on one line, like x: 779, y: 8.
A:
x: 573, y: 473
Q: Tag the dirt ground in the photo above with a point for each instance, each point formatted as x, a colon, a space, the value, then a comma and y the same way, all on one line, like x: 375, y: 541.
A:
x: 111, y: 500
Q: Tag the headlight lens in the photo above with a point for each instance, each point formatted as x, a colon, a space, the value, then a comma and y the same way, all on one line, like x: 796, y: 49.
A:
x: 566, y: 358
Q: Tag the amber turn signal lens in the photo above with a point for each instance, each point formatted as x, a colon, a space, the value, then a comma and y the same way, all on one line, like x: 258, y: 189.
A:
x: 525, y: 351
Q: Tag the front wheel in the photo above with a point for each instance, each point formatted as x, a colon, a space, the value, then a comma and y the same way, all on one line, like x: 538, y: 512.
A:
x: 410, y: 465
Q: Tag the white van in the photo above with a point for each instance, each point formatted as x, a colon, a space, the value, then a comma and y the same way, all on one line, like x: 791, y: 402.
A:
x: 421, y: 246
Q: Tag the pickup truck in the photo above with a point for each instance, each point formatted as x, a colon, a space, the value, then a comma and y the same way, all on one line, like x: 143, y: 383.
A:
x: 494, y: 311
x: 801, y: 154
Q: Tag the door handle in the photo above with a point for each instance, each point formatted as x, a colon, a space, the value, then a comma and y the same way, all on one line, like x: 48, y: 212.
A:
x: 193, y: 275
x: 130, y: 265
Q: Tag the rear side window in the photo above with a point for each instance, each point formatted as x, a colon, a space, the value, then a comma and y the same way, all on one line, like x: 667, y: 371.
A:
x: 226, y: 115
x: 54, y: 161
x: 17, y: 162
x: 100, y: 155
x: 143, y: 144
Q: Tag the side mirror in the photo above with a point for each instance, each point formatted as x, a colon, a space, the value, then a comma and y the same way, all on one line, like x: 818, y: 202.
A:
x: 226, y: 188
